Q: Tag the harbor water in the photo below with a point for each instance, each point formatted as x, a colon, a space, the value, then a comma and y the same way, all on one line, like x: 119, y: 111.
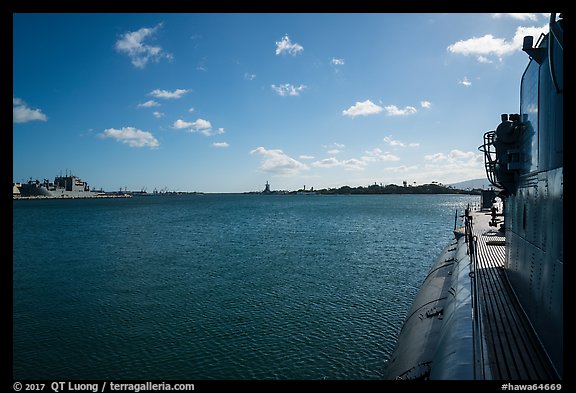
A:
x: 219, y: 286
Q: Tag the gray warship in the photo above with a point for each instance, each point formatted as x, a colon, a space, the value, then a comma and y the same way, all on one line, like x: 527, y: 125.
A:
x: 491, y: 307
x: 68, y: 186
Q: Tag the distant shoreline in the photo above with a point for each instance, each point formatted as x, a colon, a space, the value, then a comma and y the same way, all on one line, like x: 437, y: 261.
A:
x: 375, y: 189
x: 390, y: 189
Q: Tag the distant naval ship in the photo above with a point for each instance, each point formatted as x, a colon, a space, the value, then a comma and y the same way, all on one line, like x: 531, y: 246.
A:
x: 63, y: 186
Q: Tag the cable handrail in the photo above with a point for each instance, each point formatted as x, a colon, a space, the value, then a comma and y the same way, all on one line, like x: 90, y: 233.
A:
x: 472, y: 242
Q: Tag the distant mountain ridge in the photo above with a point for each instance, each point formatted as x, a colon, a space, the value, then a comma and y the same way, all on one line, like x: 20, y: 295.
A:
x: 483, y: 184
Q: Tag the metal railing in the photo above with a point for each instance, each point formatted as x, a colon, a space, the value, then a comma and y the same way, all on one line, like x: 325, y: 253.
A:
x: 472, y: 250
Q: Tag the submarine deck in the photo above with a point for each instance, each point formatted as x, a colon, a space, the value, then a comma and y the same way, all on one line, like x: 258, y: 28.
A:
x: 510, y: 348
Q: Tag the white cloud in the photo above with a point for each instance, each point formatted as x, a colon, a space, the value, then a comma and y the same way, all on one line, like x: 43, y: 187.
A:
x: 466, y: 82
x: 131, y: 136
x: 275, y: 161
x: 378, y: 155
x: 333, y: 162
x: 484, y: 59
x: 336, y: 61
x: 393, y: 110
x: 178, y: 93
x: 132, y: 44
x: 369, y: 108
x: 453, y: 156
x: 485, y: 45
x: 393, y: 142
x: 334, y: 148
x: 436, y: 157
x: 518, y: 16
x: 286, y: 46
x: 199, y: 124
x: 221, y: 145
x: 396, y: 143
x: 211, y: 132
x: 454, y: 164
x: 443, y: 167
x: 158, y: 114
x: 288, y: 90
x: 149, y: 104
x: 425, y: 104
x: 488, y: 45
x: 306, y: 157
x: 21, y: 113
x: 362, y: 109
x: 249, y: 77
x: 459, y: 154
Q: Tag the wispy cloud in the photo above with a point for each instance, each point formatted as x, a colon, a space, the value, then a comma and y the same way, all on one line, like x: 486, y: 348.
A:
x: 157, y: 114
x: 132, y: 137
x: 489, y: 46
x: 286, y: 46
x: 212, y: 132
x: 276, y: 161
x: 148, y: 104
x: 333, y: 162
x: 202, y: 64
x: 364, y: 108
x: 334, y: 148
x: 249, y: 77
x: 425, y: 104
x: 517, y: 16
x: 221, y: 145
x: 453, y: 156
x: 133, y: 44
x: 396, y: 143
x: 378, y: 155
x: 288, y: 89
x: 393, y: 110
x: 165, y: 94
x: 336, y: 61
x: 21, y: 113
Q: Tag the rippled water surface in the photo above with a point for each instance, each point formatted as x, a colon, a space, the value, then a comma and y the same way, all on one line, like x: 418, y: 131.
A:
x: 219, y: 286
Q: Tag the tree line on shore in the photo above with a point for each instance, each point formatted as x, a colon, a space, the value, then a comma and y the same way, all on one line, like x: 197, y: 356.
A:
x: 432, y: 188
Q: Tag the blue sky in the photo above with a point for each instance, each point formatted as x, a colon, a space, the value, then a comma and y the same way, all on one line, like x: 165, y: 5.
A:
x: 226, y: 102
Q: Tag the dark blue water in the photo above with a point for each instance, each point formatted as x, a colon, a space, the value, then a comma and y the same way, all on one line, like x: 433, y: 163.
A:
x: 219, y: 286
